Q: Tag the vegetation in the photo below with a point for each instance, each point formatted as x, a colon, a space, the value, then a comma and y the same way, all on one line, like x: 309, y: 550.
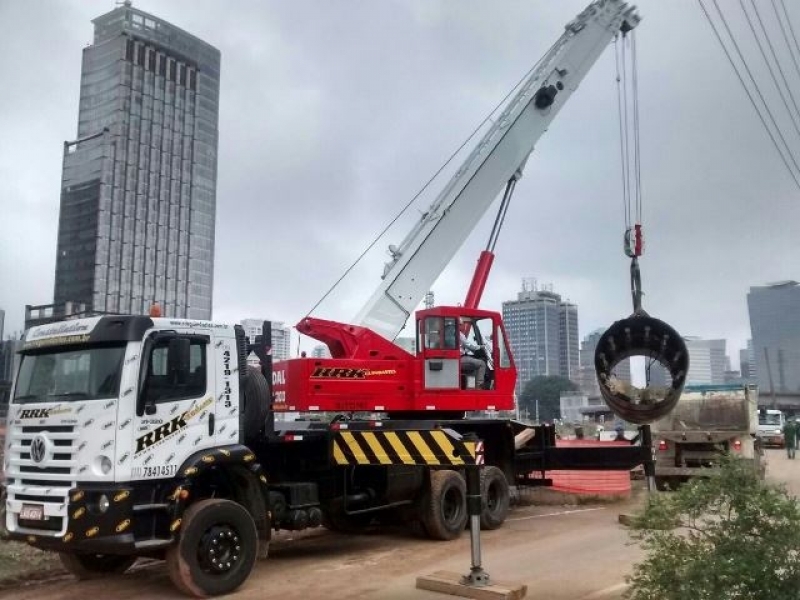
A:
x: 726, y: 537
x: 547, y: 390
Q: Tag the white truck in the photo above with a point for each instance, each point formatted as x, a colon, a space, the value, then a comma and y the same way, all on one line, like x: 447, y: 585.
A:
x: 708, y: 421
x: 770, y: 427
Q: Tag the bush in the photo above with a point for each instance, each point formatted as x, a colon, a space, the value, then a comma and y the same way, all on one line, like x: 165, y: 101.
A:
x: 729, y: 536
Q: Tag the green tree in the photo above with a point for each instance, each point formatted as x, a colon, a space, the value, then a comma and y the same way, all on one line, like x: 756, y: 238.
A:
x: 726, y: 537
x: 547, y: 390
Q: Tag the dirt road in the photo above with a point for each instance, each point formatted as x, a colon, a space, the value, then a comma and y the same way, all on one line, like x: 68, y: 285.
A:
x: 544, y: 547
x: 561, y: 553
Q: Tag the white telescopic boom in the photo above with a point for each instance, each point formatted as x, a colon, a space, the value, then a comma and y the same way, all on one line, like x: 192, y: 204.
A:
x: 425, y: 252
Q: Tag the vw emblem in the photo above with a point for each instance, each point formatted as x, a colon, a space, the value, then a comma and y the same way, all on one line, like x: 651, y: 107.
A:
x: 38, y: 448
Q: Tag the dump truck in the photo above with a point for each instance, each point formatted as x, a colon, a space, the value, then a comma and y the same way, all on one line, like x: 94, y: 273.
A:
x: 708, y: 421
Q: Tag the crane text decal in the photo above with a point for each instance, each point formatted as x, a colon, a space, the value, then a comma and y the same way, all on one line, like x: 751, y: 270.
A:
x: 343, y: 373
x: 162, y: 432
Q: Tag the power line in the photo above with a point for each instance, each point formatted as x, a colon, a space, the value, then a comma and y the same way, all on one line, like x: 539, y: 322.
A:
x: 786, y: 37
x: 755, y: 84
x: 791, y: 29
x: 769, y: 66
x: 747, y: 91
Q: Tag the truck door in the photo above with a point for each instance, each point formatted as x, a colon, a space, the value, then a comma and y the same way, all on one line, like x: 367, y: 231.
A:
x: 175, y: 405
x: 440, y: 349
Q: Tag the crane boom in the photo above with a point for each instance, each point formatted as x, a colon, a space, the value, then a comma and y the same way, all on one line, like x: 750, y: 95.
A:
x: 424, y: 253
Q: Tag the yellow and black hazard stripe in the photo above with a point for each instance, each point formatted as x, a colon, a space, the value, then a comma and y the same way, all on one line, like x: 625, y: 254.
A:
x: 419, y: 447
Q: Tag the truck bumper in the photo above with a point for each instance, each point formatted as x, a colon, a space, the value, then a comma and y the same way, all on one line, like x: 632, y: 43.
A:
x: 670, y: 471
x: 78, y: 524
x: 772, y: 440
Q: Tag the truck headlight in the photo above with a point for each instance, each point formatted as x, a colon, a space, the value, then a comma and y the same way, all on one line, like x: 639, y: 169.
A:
x: 102, y: 465
x: 103, y: 503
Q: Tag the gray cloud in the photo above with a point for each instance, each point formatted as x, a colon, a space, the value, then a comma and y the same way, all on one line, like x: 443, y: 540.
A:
x: 334, y: 114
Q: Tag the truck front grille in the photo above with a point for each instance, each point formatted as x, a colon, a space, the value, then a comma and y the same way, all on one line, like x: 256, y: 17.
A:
x: 45, y: 483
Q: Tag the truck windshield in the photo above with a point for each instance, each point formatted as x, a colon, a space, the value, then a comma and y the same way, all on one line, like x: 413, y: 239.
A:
x: 770, y: 419
x: 69, y: 375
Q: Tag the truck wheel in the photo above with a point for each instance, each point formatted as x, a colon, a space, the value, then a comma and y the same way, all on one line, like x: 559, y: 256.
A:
x: 444, y: 505
x: 496, y: 498
x: 216, y: 549
x: 256, y: 404
x: 94, y: 566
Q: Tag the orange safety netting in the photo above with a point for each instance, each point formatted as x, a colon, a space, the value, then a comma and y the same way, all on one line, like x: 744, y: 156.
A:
x: 589, y: 483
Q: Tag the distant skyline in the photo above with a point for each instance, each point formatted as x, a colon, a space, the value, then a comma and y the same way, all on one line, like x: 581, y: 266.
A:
x: 333, y: 116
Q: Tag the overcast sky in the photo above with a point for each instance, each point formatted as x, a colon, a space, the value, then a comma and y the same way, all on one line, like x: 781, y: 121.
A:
x: 333, y: 114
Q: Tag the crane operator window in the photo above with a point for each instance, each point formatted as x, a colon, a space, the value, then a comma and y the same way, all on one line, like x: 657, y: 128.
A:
x: 440, y: 333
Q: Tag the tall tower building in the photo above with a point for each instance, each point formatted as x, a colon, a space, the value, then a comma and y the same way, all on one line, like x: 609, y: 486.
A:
x: 587, y: 378
x: 281, y: 336
x: 568, y: 346
x: 707, y: 361
x: 775, y: 326
x: 543, y: 333
x: 138, y: 195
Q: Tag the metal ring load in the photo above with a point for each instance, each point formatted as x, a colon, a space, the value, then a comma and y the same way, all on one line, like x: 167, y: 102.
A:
x: 641, y: 335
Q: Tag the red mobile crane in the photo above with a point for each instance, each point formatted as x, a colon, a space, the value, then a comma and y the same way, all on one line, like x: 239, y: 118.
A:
x: 367, y: 371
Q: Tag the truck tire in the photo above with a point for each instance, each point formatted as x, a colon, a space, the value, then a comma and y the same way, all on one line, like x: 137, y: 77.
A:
x: 94, y: 566
x: 496, y: 498
x: 216, y: 550
x: 444, y: 505
x: 256, y: 404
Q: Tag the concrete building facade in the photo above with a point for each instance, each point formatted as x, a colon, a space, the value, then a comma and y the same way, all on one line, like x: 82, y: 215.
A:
x: 775, y: 326
x: 707, y: 361
x: 138, y: 194
x: 543, y: 334
x: 281, y: 336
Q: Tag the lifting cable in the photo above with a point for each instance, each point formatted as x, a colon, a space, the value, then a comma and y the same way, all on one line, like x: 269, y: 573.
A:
x: 630, y: 158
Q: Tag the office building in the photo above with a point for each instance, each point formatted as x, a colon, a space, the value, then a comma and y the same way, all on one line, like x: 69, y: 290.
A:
x: 775, y: 326
x: 320, y: 351
x: 409, y: 344
x: 707, y: 361
x: 138, y: 195
x: 543, y: 333
x: 747, y: 361
x: 281, y: 336
x: 587, y: 376
x: 568, y: 346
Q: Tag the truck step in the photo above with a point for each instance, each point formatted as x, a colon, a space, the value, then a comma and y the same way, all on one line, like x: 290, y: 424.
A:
x: 146, y: 507
x: 152, y: 544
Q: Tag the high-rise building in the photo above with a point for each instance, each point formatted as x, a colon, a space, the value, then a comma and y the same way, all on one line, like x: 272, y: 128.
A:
x: 543, y: 333
x: 707, y: 361
x: 569, y: 347
x: 138, y: 194
x: 409, y: 344
x: 320, y: 351
x: 587, y: 378
x: 775, y: 326
x: 747, y: 362
x: 281, y: 336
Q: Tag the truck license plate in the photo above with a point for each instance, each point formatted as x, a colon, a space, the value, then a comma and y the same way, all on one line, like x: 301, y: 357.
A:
x: 32, y: 512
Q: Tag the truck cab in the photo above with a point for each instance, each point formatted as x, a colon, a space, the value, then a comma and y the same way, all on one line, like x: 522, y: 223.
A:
x: 770, y: 427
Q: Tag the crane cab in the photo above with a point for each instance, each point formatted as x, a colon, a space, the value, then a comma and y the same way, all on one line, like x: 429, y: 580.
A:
x: 368, y: 373
x: 452, y: 343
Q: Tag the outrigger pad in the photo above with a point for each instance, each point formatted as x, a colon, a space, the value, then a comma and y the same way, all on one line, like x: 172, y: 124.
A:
x: 641, y: 335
